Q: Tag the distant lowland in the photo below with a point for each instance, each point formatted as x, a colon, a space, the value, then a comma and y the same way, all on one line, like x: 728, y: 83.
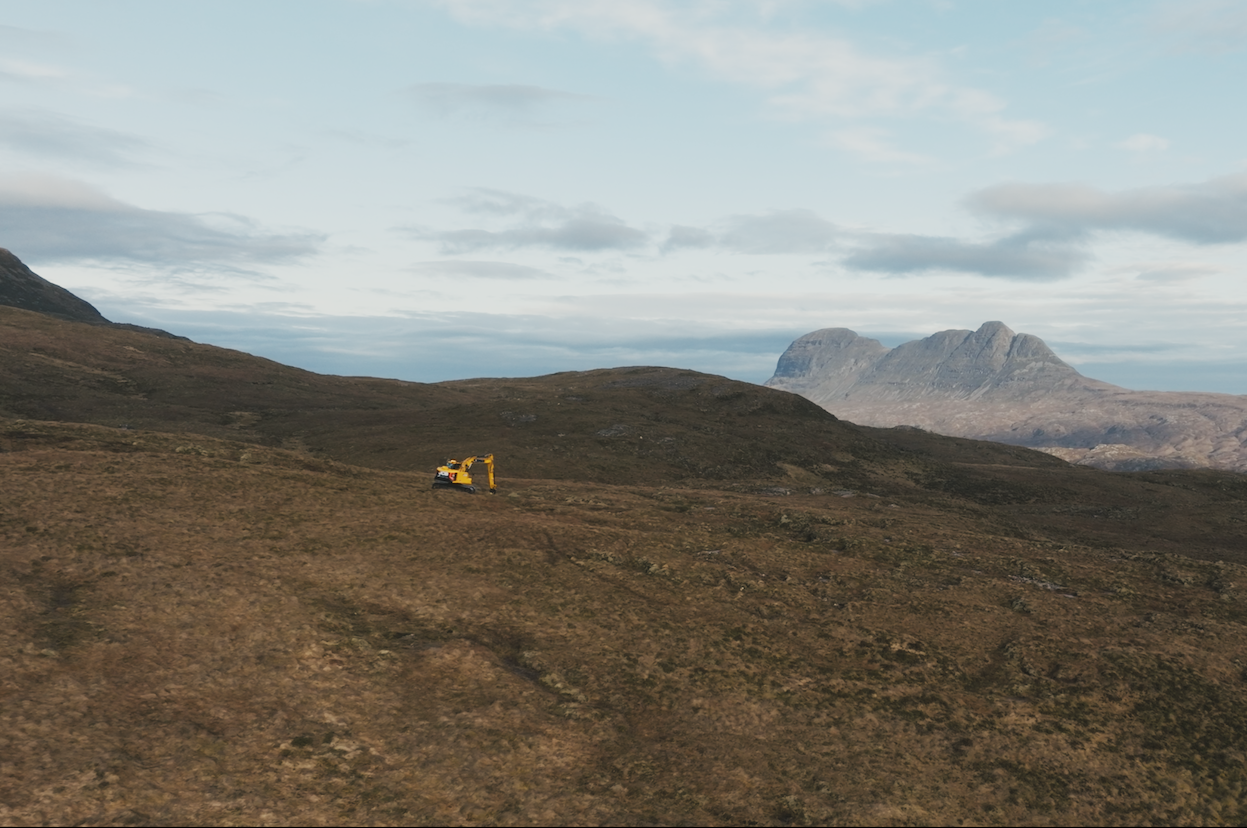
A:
x: 994, y: 384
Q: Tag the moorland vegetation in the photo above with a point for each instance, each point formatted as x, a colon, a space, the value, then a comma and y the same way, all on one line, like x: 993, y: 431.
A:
x: 231, y: 596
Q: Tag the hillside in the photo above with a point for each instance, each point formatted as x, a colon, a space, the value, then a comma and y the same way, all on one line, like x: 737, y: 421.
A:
x: 225, y: 633
x: 233, y: 597
x: 993, y: 384
x: 625, y: 426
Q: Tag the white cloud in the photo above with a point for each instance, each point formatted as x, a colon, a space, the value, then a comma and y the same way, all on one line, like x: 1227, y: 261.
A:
x: 805, y: 74
x: 52, y: 219
x: 587, y: 228
x: 478, y: 270
x: 516, y: 104
x: 1011, y: 135
x: 47, y: 134
x: 1170, y: 271
x: 681, y: 237
x: 586, y: 231
x: 26, y: 71
x: 1059, y: 222
x: 1208, y: 212
x: 1143, y: 143
x: 777, y: 232
x: 1014, y: 257
x: 873, y: 144
x: 1202, y: 26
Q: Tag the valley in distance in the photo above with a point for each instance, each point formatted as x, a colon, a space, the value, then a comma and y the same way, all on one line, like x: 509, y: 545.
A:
x: 231, y: 596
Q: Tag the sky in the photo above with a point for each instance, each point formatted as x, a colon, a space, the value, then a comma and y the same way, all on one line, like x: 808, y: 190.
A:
x: 443, y: 189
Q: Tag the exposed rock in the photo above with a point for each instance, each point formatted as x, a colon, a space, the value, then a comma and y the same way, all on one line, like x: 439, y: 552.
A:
x: 993, y: 384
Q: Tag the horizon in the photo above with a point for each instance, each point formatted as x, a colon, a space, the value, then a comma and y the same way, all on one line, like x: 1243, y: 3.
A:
x: 443, y: 189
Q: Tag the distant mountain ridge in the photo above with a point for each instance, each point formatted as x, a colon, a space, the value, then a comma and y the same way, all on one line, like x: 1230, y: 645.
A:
x: 994, y: 384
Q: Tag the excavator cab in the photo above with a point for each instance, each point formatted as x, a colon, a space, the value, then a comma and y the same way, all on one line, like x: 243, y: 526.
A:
x: 456, y: 474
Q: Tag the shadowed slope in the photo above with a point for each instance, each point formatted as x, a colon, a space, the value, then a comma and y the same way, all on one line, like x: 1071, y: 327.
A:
x: 20, y: 287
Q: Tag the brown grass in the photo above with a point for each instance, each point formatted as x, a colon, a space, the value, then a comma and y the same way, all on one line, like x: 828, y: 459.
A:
x: 209, y: 632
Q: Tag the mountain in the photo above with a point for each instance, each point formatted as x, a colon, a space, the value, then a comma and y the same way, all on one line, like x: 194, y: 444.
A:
x: 21, y: 287
x: 231, y: 596
x: 994, y: 384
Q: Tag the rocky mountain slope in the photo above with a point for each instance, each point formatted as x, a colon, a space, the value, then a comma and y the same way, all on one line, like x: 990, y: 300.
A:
x: 993, y: 384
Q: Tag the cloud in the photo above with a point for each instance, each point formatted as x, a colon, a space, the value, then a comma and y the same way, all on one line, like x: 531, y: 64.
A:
x: 478, y: 270
x: 1015, y: 257
x: 874, y: 145
x: 1210, y: 212
x: 15, y: 37
x: 680, y: 237
x: 490, y: 202
x: 27, y: 72
x: 48, y: 219
x: 780, y: 231
x: 24, y: 71
x: 589, y: 228
x: 1143, y: 143
x: 537, y: 224
x: 1202, y: 26
x: 36, y: 132
x: 586, y: 233
x: 804, y: 74
x: 1173, y: 271
x: 508, y: 103
x: 1059, y: 221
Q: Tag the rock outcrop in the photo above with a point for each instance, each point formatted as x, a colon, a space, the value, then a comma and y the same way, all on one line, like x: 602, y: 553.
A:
x: 994, y: 384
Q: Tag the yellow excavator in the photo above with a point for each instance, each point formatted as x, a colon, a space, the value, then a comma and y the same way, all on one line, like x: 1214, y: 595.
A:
x: 454, y: 475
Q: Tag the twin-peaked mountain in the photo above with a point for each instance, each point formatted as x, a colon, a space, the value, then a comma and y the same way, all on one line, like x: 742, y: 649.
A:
x: 991, y: 363
x: 994, y: 384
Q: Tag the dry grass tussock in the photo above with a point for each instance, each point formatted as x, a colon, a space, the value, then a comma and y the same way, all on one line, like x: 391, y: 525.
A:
x: 196, y: 631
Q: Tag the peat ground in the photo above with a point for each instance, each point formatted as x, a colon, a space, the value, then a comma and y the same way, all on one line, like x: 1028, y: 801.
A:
x: 230, y: 596
x: 212, y: 632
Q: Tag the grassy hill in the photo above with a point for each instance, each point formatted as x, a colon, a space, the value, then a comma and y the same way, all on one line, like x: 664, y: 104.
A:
x: 693, y: 600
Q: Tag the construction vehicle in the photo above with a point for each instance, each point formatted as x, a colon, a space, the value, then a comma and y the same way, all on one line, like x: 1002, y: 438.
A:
x: 455, y: 474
